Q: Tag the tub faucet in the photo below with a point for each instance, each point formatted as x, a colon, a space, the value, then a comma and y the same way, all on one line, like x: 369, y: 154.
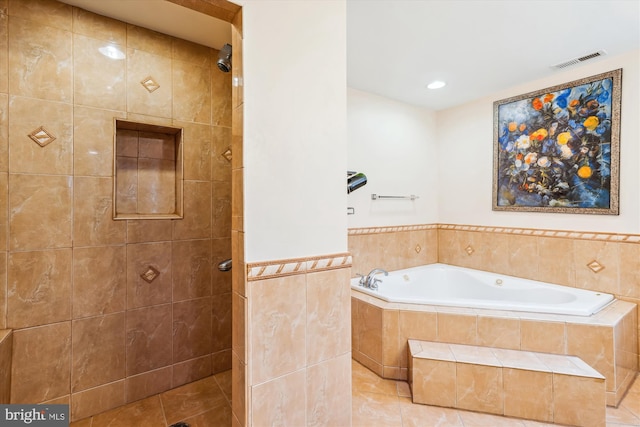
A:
x: 370, y: 281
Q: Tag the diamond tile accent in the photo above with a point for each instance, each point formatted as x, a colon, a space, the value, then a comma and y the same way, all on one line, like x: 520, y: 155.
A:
x: 469, y: 249
x: 41, y: 136
x: 595, y: 266
x: 150, y: 84
x: 418, y: 249
x: 227, y: 154
x: 150, y: 275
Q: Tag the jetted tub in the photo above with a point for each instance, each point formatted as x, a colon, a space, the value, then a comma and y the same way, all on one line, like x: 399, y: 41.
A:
x: 447, y: 285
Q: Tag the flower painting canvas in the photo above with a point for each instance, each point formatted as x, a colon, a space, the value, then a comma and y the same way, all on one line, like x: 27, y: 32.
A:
x: 557, y: 150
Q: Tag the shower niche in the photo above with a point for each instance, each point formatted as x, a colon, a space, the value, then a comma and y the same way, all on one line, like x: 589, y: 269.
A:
x: 147, y: 171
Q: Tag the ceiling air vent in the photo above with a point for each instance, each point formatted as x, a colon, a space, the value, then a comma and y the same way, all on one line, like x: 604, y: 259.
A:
x: 579, y: 60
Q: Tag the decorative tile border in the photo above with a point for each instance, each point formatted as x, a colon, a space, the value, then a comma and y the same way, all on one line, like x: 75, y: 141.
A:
x: 289, y: 267
x: 583, y: 235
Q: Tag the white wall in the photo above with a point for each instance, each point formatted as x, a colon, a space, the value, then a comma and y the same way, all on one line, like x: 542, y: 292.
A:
x: 465, y: 138
x: 394, y: 145
x: 294, y: 128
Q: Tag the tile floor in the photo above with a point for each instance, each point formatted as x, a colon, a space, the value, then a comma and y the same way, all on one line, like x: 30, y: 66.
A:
x: 377, y: 402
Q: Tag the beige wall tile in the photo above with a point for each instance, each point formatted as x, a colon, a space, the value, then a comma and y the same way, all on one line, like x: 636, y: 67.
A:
x: 147, y: 384
x: 197, y: 212
x: 499, y: 332
x: 629, y: 270
x: 237, y: 161
x: 149, y: 41
x: 479, y: 388
x: 368, y: 336
x: 240, y: 390
x: 126, y: 185
x: 279, y: 401
x: 434, y: 382
x: 195, y: 54
x: 192, y: 92
x: 191, y: 261
x: 58, y: 15
x: 99, y: 74
x: 277, y: 326
x: 221, y: 361
x: 39, y: 288
x: 4, y: 120
x: 197, y: 151
x: 98, y: 349
x: 6, y: 350
x: 328, y: 392
x: 594, y: 345
x: 607, y: 255
x: 239, y: 327
x: 3, y: 290
x: 4, y: 211
x: 148, y: 335
x: 328, y: 320
x: 545, y: 337
x: 191, y: 370
x: 93, y: 210
x: 220, y: 143
x: 93, y: 131
x: 191, y: 399
x: 222, y: 322
x: 393, y: 346
x: 25, y: 155
x: 221, y: 280
x: 191, y: 329
x: 578, y: 401
x: 221, y: 106
x: 528, y: 394
x: 41, y: 361
x: 414, y: 325
x: 140, y: 230
x: 40, y: 59
x: 523, y: 256
x: 457, y: 328
x: 237, y: 197
x: 98, y: 26
x: 555, y: 261
x: 99, y: 280
x: 4, y: 48
x: 156, y: 186
x: 140, y: 66
x: 140, y: 258
x: 97, y: 400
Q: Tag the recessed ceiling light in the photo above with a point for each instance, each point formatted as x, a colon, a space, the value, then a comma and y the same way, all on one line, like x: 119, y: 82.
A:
x: 436, y: 85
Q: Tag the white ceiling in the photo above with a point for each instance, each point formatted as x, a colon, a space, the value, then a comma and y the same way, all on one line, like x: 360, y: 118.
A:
x: 396, y: 47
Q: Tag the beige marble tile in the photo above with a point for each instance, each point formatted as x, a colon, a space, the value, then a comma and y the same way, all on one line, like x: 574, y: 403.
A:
x: 221, y: 280
x: 546, y: 337
x: 328, y: 322
x: 221, y: 141
x: 140, y: 66
x: 278, y: 324
x: 4, y: 48
x: 239, y: 335
x: 394, y: 346
x: 41, y: 359
x: 423, y: 415
x: 191, y: 329
x: 374, y: 409
x: 555, y: 257
x: 148, y: 339
x: 222, y: 322
x: 594, y: 345
x: 499, y: 332
x: 93, y: 210
x: 477, y: 419
x: 279, y: 401
x: 97, y: 400
x: 457, y: 328
x: 99, y: 73
x: 99, y: 280
x: 3, y: 290
x: 156, y: 187
x: 6, y: 350
x: 237, y: 199
x: 224, y: 381
x: 191, y: 370
x: 147, y: 384
x: 528, y: 394
x: 606, y: 254
x: 240, y: 390
x: 578, y: 401
x: 218, y: 417
x: 193, y: 53
x: 197, y: 143
x: 27, y: 156
x: 629, y: 266
x: 192, y: 96
x: 39, y: 288
x: 197, y: 212
x: 191, y: 261
x: 434, y: 382
x: 237, y: 149
x: 364, y: 380
x: 40, y: 59
x: 98, y: 26
x: 238, y: 62
x: 190, y: 399
x: 328, y: 392
x: 39, y: 212
x: 93, y: 131
x: 221, y: 105
x: 523, y: 256
x: 4, y: 211
x: 479, y: 388
x: 4, y: 120
x: 151, y: 230
x: 140, y: 259
x: 144, y: 413
x: 98, y: 349
x: 149, y: 41
x: 126, y: 177
x: 221, y: 361
x: 368, y: 334
x: 58, y: 15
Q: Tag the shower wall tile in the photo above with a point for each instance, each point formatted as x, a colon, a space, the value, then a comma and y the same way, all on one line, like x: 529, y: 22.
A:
x: 156, y: 186
x: 40, y: 59
x: 93, y: 210
x: 237, y: 71
x: 191, y: 329
x: 236, y: 138
x: 96, y: 400
x: 41, y: 363
x: 197, y: 212
x: 221, y: 312
x: 140, y: 66
x: 191, y: 261
x: 6, y: 351
x: 147, y: 384
x: 98, y: 26
x: 25, y: 155
x: 99, y: 79
x: 3, y: 290
x: 191, y: 92
x: 4, y: 127
x: 93, y: 131
x: 221, y: 219
x: 221, y: 280
x: 221, y: 361
x: 606, y: 254
x: 4, y: 48
x: 148, y: 40
x: 141, y: 230
x: 221, y: 107
x: 148, y: 339
x: 99, y: 280
x: 98, y: 349
x: 328, y: 392
x: 126, y: 184
x: 237, y: 195
x: 140, y: 257
x: 239, y: 337
x: 191, y: 370
x: 195, y: 54
x: 39, y: 288
x: 196, y: 147
x: 58, y: 15
x: 154, y: 145
x: 220, y: 143
x: 4, y: 211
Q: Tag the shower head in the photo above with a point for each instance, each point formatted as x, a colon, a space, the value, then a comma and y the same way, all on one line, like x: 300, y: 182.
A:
x: 224, y: 58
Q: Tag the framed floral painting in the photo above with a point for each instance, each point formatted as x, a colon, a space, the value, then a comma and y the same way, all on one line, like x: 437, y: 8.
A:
x: 557, y: 149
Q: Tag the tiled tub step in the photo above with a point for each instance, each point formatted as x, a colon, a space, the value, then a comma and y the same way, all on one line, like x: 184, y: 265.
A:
x: 537, y: 386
